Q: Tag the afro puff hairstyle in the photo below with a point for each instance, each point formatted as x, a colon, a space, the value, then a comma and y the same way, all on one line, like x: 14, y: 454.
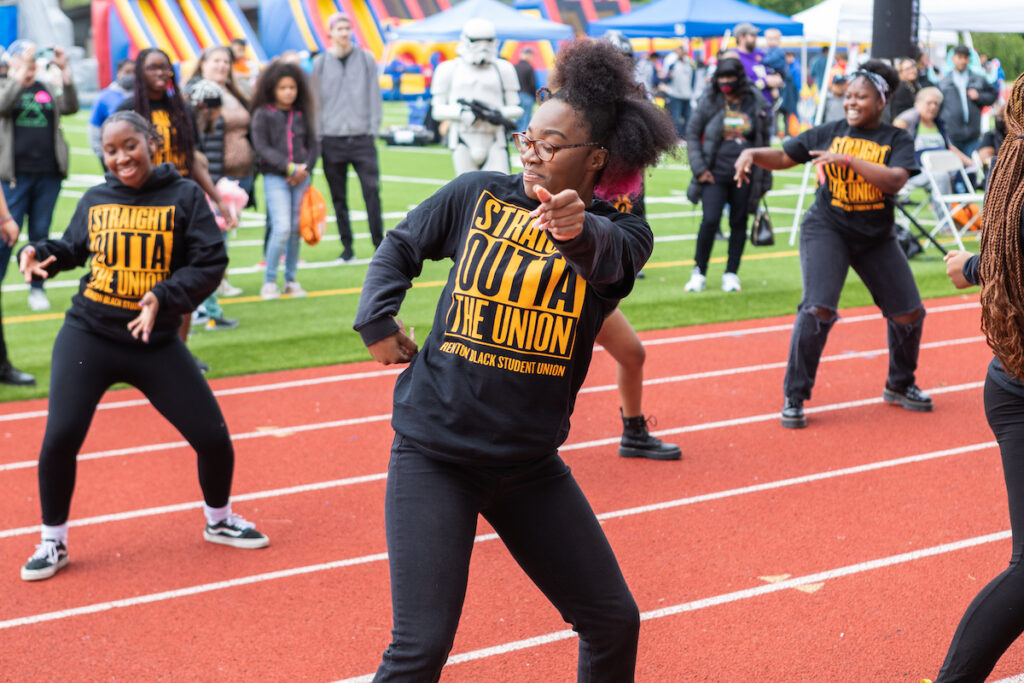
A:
x: 596, y: 79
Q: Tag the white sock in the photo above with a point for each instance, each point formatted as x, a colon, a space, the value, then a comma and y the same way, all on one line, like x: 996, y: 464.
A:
x: 59, y: 532
x: 216, y: 515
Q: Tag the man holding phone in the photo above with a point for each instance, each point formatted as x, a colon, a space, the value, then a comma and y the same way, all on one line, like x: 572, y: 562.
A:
x: 33, y: 152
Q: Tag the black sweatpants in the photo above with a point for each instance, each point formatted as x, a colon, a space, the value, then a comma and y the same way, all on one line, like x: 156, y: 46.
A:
x: 540, y: 513
x: 84, y: 366
x: 995, y: 618
x: 360, y: 151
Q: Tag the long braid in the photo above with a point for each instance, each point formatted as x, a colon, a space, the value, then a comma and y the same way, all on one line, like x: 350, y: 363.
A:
x: 183, y: 140
x: 1002, y: 255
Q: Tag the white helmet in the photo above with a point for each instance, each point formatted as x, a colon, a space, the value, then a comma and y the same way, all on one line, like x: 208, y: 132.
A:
x: 478, y: 44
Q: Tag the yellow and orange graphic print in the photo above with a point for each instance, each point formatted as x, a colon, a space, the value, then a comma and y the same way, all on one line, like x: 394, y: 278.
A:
x: 849, y: 190
x: 165, y: 151
x: 516, y: 303
x: 131, y: 248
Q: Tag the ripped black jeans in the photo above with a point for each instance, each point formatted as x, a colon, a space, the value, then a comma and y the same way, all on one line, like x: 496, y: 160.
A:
x: 826, y: 256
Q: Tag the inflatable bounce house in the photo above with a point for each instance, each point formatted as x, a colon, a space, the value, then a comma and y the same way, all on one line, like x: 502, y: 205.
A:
x: 181, y: 28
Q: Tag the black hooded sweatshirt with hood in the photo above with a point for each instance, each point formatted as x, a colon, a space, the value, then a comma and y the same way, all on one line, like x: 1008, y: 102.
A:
x: 160, y: 237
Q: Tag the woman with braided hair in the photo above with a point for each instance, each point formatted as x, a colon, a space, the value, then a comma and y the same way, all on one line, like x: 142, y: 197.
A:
x: 862, y: 163
x: 995, y: 618
x: 481, y: 410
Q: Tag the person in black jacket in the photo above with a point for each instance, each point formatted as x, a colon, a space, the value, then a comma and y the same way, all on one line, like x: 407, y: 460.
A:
x: 154, y: 252
x: 862, y: 163
x: 731, y: 117
x: 995, y: 617
x: 964, y: 94
x: 481, y: 410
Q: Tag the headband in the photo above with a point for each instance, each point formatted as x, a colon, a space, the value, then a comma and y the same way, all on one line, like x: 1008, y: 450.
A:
x: 880, y: 85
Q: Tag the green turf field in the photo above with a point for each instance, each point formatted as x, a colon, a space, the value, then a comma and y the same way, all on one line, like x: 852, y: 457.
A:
x: 289, y: 333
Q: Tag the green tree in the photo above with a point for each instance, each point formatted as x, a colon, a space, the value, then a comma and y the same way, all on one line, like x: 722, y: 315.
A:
x: 787, y: 7
x: 1007, y: 47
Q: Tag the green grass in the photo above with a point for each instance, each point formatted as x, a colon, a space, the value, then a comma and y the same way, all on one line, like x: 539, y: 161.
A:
x: 283, y: 334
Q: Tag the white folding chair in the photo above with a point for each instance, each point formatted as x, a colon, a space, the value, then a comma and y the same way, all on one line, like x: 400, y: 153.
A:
x: 939, y: 167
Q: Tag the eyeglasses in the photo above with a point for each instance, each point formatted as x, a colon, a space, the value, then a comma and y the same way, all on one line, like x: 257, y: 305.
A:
x: 545, y: 151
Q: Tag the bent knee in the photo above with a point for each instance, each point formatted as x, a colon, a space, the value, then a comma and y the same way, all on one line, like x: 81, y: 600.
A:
x: 820, y: 312
x: 908, y: 318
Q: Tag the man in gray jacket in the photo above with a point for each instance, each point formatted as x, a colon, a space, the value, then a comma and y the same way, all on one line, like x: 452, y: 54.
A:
x: 964, y: 95
x: 349, y: 99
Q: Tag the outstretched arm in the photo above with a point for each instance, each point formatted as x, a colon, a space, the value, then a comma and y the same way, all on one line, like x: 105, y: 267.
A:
x: 765, y: 157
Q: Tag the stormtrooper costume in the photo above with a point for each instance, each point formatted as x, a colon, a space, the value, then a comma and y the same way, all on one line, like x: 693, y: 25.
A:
x: 476, y: 74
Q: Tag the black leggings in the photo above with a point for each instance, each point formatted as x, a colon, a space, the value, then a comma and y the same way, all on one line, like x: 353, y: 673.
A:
x: 714, y: 197
x: 84, y: 366
x: 540, y: 513
x: 995, y: 618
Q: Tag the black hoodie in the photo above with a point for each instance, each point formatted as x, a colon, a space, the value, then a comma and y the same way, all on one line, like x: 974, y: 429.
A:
x: 496, y: 380
x: 160, y: 237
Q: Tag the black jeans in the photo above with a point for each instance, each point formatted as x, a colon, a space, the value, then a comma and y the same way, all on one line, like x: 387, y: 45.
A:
x: 714, y: 197
x: 540, y: 513
x: 995, y: 618
x: 358, y: 150
x: 825, y: 258
x: 84, y: 366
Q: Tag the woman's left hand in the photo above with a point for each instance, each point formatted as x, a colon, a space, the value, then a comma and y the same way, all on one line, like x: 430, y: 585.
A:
x: 142, y: 324
x: 561, y: 215
x: 228, y: 214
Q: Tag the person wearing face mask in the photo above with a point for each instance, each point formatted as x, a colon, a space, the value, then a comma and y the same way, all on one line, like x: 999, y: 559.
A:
x: 107, y: 102
x: 862, y: 163
x: 732, y: 116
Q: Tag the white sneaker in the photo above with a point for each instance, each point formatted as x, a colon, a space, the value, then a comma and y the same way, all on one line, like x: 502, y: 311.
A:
x: 731, y: 282
x: 269, y: 291
x: 697, y: 282
x: 37, y: 300
x: 227, y: 290
x: 294, y: 289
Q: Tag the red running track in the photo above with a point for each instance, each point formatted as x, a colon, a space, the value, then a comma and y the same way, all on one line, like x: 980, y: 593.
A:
x: 843, y: 552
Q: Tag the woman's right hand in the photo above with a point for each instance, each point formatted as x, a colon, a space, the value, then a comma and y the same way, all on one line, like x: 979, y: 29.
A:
x: 298, y: 175
x: 398, y: 348
x: 707, y: 177
x: 743, y: 165
x: 955, y: 261
x: 31, y: 267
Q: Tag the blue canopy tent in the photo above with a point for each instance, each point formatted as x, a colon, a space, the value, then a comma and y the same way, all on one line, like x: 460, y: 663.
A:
x: 508, y: 24
x: 692, y: 18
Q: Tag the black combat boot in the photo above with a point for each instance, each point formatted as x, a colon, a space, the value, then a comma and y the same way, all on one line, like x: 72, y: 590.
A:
x: 638, y: 443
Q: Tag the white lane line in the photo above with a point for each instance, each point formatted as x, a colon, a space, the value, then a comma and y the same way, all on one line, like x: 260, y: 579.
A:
x: 614, y: 514
x: 700, y: 604
x: 331, y: 424
x: 259, y: 388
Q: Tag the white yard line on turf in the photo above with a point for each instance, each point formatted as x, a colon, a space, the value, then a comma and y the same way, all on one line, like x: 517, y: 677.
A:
x: 738, y: 332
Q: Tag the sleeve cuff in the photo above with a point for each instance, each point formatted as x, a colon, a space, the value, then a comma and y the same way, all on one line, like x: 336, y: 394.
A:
x: 375, y: 330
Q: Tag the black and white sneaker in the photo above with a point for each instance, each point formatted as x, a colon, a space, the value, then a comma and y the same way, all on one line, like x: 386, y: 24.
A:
x: 911, y: 398
x: 237, y: 532
x: 49, y: 558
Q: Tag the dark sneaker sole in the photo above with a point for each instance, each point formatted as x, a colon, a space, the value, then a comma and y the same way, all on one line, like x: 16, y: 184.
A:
x: 250, y: 543
x: 793, y: 422
x: 44, y: 573
x: 626, y: 452
x: 893, y: 398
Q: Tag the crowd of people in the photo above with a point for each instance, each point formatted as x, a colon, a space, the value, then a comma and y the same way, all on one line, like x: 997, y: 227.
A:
x: 584, y: 151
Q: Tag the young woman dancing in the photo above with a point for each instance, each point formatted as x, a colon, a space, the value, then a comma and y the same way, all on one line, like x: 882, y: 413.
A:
x: 995, y: 618
x: 154, y: 253
x: 862, y: 162
x: 484, y: 405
